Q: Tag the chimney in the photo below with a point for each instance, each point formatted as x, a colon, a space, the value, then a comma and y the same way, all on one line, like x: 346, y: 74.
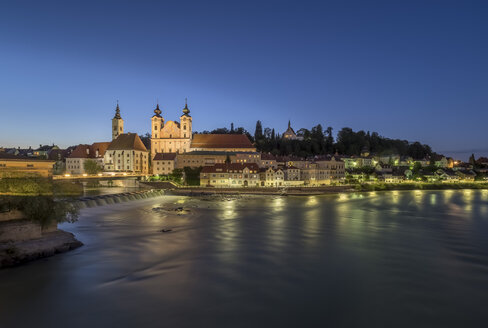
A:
x: 88, y: 151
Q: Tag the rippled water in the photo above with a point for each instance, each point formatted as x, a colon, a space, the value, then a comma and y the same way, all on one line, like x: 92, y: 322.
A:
x: 397, y: 259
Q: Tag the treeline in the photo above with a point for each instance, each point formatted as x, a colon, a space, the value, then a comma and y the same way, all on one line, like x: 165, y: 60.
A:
x: 319, y: 141
x: 352, y: 143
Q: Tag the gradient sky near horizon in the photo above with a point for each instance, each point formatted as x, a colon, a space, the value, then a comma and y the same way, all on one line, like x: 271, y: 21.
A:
x: 415, y: 70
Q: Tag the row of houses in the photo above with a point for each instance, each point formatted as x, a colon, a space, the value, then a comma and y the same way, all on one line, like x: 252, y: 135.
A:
x: 399, y: 175
x: 274, y: 173
x: 367, y: 160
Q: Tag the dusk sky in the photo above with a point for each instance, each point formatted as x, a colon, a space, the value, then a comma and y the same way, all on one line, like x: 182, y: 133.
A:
x: 414, y: 70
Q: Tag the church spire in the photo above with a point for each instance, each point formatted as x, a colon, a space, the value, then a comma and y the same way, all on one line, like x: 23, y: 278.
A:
x: 157, y: 111
x: 186, y: 111
x: 117, y: 111
x: 289, y: 124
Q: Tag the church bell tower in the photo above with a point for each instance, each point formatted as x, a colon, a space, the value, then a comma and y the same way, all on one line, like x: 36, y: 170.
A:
x: 117, y: 123
x: 186, y: 123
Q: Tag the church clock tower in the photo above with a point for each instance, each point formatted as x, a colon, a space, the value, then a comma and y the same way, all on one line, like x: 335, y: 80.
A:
x: 185, y: 123
x: 117, y: 123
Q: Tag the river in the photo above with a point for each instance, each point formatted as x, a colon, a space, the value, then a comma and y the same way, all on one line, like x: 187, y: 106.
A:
x: 393, y: 259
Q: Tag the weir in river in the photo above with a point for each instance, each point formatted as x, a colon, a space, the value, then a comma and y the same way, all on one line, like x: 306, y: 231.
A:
x: 93, y: 201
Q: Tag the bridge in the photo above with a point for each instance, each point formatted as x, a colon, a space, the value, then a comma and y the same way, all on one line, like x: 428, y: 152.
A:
x: 112, y: 180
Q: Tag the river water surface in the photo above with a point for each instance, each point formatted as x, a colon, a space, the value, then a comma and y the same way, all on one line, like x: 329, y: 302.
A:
x: 395, y: 259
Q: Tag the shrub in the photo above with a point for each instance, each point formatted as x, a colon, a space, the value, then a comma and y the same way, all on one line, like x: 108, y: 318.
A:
x: 42, y: 209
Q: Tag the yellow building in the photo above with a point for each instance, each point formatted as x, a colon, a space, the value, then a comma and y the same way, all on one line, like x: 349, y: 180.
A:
x: 271, y: 177
x: 230, y: 175
x: 12, y: 166
x: 195, y: 159
x: 170, y: 136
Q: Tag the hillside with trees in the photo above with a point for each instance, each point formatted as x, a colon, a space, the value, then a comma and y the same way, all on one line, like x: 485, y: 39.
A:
x: 319, y: 141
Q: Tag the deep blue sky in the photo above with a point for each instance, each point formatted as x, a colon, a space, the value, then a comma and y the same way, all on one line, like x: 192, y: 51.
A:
x: 407, y: 69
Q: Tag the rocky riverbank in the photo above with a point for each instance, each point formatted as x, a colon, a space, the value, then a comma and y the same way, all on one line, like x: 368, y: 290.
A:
x: 49, y: 244
x: 23, y: 240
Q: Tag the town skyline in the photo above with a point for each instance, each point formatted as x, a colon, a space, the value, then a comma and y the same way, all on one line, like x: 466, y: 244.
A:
x: 271, y: 61
x: 461, y: 154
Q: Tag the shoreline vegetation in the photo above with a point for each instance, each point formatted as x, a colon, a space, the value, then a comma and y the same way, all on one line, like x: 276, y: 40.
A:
x: 30, y: 210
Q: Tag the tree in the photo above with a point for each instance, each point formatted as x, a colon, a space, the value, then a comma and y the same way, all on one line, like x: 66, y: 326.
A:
x: 329, y: 140
x: 231, y: 127
x: 192, y: 175
x: 472, y: 160
x: 176, y: 175
x: 92, y: 167
x: 258, y: 133
x: 146, y: 140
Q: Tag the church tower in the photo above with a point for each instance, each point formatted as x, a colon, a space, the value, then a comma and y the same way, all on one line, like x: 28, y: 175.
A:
x: 157, y: 122
x: 185, y: 123
x: 117, y: 123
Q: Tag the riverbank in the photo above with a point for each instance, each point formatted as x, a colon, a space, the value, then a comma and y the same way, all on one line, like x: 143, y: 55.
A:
x: 310, y: 191
x: 49, y: 244
x: 23, y: 240
x: 305, y: 191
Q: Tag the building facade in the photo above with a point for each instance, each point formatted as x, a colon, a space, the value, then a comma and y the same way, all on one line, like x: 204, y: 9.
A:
x: 12, y: 166
x: 230, y: 175
x: 128, y: 154
x: 75, y: 163
x: 170, y: 136
x: 164, y: 164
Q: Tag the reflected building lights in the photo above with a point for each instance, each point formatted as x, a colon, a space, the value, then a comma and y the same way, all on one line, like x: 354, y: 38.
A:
x: 312, y: 201
x: 447, y: 196
x: 230, y: 210
x: 433, y: 199
x: 395, y: 197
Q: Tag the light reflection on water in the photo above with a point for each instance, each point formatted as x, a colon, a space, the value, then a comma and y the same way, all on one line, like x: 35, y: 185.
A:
x: 397, y: 259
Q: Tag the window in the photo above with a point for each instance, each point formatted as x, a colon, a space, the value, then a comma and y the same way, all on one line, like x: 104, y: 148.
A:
x: 30, y: 165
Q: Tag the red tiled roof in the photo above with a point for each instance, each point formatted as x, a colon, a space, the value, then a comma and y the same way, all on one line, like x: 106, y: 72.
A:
x: 127, y: 141
x: 82, y: 151
x: 90, y: 151
x: 221, y: 141
x: 164, y: 157
x: 101, y: 147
